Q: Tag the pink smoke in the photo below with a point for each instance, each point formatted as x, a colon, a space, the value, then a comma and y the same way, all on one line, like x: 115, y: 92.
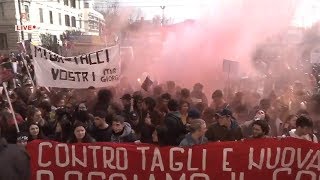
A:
x: 229, y: 30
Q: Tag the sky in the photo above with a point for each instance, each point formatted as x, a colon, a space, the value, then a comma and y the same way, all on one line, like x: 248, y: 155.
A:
x: 178, y: 10
x: 307, y: 13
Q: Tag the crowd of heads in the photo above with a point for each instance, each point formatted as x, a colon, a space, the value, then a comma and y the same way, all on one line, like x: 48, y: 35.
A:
x: 164, y: 115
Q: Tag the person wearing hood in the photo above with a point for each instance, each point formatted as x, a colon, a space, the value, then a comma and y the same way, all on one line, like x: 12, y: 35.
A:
x: 303, y: 130
x: 121, y: 131
x: 175, y: 127
x: 15, y: 161
x: 196, y: 136
x: 226, y: 129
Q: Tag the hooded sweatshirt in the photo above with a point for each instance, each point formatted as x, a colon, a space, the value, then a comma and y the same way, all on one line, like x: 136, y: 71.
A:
x: 14, y: 162
x: 308, y: 137
x: 126, y: 135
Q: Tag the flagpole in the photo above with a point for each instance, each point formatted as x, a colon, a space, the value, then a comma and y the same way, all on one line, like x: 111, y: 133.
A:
x: 11, y: 108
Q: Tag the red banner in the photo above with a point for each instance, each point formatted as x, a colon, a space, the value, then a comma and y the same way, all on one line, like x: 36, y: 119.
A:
x: 267, y: 159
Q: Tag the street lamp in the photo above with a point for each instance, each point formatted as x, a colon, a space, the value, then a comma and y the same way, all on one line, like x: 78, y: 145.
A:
x: 162, y: 21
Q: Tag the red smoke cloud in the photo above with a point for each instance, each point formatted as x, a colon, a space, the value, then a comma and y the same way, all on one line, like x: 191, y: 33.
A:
x: 230, y: 29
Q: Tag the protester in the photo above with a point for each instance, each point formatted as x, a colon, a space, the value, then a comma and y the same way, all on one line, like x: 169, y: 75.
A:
x: 82, y: 114
x: 226, y: 129
x: 196, y: 136
x: 62, y: 126
x: 260, y: 129
x: 35, y: 132
x: 163, y: 104
x: 303, y: 129
x: 137, y: 106
x: 174, y: 125
x: 100, y: 129
x: 34, y: 116
x: 126, y: 103
x: 171, y: 88
x: 198, y: 96
x: 218, y: 102
x: 105, y: 97
x: 209, y: 116
x: 121, y: 131
x: 186, y: 96
x: 15, y: 162
x: 80, y: 134
x: 289, y: 124
x: 91, y: 98
x: 184, y: 109
x: 151, y: 119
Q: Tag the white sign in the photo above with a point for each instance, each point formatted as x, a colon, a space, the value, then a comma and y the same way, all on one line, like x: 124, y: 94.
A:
x: 26, y: 27
x: 98, y: 69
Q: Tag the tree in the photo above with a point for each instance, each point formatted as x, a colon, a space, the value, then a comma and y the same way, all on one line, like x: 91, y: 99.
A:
x: 49, y: 42
x: 68, y: 35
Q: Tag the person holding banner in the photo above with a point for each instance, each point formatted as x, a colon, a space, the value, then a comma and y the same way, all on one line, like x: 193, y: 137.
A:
x: 35, y: 132
x: 100, y: 129
x: 303, y: 129
x: 80, y: 134
x: 121, y: 131
x: 196, y: 136
x: 260, y: 129
x: 226, y: 129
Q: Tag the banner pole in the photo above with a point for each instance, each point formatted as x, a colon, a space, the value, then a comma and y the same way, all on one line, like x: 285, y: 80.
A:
x: 11, y: 108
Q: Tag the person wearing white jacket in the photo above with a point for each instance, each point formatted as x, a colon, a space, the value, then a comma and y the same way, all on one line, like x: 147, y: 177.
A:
x: 303, y: 130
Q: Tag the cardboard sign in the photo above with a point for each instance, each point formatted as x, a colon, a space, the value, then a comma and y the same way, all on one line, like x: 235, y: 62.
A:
x: 231, y: 67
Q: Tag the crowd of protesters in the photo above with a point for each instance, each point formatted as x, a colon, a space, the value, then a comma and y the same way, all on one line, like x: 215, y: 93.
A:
x: 163, y: 114
x: 166, y: 115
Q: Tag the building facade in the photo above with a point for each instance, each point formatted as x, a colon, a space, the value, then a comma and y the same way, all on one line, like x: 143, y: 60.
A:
x: 50, y: 16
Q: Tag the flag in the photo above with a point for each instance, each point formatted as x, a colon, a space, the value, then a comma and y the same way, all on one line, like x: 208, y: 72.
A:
x: 146, y: 84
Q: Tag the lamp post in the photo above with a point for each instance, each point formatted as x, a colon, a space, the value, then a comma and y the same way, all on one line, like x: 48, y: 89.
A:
x: 20, y: 17
x: 162, y: 21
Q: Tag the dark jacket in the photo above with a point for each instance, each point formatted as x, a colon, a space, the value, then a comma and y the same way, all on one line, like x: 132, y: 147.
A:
x: 147, y: 130
x: 14, y: 162
x: 216, y: 132
x: 127, y: 135
x: 100, y: 135
x: 175, y: 128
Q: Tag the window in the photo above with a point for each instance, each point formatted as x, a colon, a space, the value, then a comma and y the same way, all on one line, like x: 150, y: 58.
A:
x: 58, y: 1
x: 41, y: 14
x: 67, y: 20
x: 73, y: 3
x: 73, y: 21
x: 1, y: 9
x: 51, y: 18
x: 3, y: 41
x: 86, y: 5
x: 66, y: 2
x: 26, y: 10
x: 60, y: 22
